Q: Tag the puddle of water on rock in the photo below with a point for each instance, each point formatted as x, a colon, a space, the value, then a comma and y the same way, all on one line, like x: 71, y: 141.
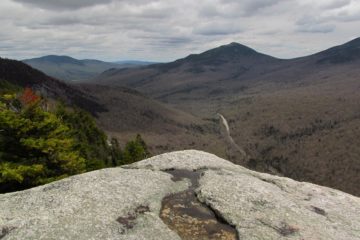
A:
x: 191, y: 219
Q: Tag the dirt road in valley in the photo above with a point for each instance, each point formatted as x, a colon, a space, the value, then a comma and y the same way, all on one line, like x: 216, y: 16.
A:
x: 233, y: 144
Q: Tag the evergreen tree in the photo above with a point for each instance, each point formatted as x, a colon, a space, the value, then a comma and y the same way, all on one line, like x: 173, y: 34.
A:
x: 35, y: 146
x: 116, y: 154
x: 135, y: 150
x: 141, y: 141
x: 39, y: 145
x: 90, y: 140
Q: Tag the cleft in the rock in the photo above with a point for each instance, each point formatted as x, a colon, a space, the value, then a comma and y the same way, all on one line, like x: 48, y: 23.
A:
x: 188, y: 217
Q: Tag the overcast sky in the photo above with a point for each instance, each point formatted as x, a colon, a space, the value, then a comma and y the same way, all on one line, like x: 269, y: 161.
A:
x: 164, y: 30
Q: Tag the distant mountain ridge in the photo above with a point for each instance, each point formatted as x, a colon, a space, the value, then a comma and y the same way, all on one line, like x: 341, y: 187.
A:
x: 135, y: 62
x: 70, y: 69
x: 22, y: 75
x: 295, y: 117
x: 56, y: 59
x: 234, y: 65
x: 201, y: 72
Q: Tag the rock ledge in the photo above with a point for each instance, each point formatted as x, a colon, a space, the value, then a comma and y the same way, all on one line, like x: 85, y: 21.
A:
x: 124, y: 203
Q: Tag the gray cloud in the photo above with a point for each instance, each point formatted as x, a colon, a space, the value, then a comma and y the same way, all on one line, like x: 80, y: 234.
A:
x: 166, y: 41
x: 233, y: 8
x: 216, y: 28
x: 165, y: 30
x: 63, y: 4
x: 253, y: 6
x: 309, y: 24
x: 316, y: 28
x: 70, y: 20
x: 334, y: 4
x: 348, y: 17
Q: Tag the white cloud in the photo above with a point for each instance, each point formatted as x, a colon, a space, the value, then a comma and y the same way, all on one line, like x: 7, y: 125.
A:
x: 164, y: 30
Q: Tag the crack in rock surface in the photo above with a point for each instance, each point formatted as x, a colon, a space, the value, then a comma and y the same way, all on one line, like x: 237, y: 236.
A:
x: 190, y: 218
x: 5, y: 230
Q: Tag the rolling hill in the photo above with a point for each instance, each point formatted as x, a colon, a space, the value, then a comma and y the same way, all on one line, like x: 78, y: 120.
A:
x: 294, y: 117
x: 71, y: 69
x: 122, y: 112
x: 20, y: 74
x: 133, y: 63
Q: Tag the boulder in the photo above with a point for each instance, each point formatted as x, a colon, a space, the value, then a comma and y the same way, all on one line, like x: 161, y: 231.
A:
x: 126, y: 203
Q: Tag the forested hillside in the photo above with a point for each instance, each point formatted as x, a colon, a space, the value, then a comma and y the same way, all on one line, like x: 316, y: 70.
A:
x: 43, y: 140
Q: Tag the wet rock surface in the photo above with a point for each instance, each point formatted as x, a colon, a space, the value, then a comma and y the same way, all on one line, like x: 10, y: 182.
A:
x: 188, y: 217
x: 202, y: 197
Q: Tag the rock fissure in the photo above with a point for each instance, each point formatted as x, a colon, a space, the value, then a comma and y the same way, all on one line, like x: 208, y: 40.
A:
x: 190, y: 218
x: 284, y: 229
x: 5, y: 231
x: 271, y: 181
x: 319, y: 211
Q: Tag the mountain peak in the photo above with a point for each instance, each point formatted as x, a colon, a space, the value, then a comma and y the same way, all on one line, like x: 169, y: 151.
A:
x: 229, y: 52
x: 235, y: 44
x: 235, y: 48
